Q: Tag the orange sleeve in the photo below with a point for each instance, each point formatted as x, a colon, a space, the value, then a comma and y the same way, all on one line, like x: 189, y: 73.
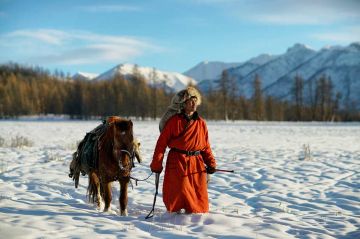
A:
x: 162, y: 143
x: 206, y: 152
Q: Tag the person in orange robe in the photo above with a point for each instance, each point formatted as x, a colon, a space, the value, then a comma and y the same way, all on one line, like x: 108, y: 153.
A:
x: 190, y: 157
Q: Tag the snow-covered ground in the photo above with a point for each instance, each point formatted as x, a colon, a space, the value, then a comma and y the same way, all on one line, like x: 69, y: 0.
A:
x: 274, y: 192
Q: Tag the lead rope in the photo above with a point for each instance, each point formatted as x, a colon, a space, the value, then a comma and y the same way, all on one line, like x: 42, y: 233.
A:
x: 137, y: 180
x: 151, y: 213
x: 132, y: 156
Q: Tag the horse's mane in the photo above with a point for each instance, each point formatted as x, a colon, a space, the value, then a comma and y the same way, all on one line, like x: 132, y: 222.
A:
x: 112, y: 119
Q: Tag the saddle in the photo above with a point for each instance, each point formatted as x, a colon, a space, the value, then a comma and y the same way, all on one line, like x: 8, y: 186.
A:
x: 86, y: 156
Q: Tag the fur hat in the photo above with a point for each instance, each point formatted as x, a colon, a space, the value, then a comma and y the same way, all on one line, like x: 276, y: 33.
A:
x: 178, y: 102
x: 186, y: 94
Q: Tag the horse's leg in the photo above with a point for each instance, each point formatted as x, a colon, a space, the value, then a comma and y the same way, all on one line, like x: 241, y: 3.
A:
x: 123, y: 199
x: 94, y: 188
x: 107, y: 195
x: 96, y: 181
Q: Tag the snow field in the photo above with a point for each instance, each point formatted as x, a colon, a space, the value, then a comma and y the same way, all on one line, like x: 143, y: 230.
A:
x: 274, y: 192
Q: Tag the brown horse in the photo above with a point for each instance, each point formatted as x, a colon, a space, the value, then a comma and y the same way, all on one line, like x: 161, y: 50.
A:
x: 117, y: 150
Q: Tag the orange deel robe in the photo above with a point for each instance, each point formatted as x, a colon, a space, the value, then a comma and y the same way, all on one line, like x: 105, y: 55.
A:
x: 185, y: 185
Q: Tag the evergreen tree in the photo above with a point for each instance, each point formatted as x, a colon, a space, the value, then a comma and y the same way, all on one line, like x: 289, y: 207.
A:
x: 270, y: 111
x: 154, y: 93
x: 224, y: 87
x: 258, y: 101
x: 298, y: 97
x: 233, y: 98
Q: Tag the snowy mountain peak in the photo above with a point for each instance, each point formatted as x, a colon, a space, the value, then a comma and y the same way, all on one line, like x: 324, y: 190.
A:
x: 173, y: 80
x: 299, y: 47
x: 355, y: 46
x: 262, y: 59
x: 84, y: 76
x: 330, y: 48
x: 209, y: 70
x: 124, y: 68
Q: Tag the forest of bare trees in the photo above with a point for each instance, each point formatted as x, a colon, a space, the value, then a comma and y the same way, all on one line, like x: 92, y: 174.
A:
x: 314, y: 101
x: 34, y: 91
x: 27, y: 91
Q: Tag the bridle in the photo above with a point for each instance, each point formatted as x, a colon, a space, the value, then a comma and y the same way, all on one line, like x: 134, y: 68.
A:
x: 131, y: 156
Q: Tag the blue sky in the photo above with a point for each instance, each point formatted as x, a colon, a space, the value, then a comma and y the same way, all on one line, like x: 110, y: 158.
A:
x: 171, y: 35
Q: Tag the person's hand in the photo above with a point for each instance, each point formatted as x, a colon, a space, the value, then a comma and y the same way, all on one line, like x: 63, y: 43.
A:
x: 210, y: 170
x: 156, y: 170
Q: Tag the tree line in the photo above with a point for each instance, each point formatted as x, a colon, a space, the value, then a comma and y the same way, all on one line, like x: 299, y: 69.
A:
x: 34, y: 91
x: 308, y: 101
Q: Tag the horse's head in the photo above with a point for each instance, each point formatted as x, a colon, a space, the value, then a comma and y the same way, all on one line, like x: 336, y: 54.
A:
x: 121, y: 132
x: 137, y: 153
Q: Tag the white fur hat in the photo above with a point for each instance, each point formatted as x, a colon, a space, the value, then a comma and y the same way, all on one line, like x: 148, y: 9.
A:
x: 177, y: 103
x: 186, y: 94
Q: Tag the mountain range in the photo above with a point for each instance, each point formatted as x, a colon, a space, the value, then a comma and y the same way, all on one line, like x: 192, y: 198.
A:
x: 341, y: 64
x: 276, y: 72
x: 172, y: 81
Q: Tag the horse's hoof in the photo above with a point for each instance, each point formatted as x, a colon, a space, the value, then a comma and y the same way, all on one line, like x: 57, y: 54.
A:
x: 124, y: 212
x: 71, y: 175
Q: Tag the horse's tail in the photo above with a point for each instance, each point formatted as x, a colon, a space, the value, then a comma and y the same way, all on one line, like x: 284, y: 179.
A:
x: 92, y: 191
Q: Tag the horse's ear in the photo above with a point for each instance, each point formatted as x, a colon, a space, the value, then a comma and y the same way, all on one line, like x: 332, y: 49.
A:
x: 130, y: 123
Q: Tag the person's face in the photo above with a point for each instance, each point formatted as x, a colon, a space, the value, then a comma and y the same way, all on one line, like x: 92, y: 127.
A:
x: 190, y: 105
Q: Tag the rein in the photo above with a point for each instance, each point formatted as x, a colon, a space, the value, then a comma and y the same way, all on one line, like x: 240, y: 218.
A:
x: 132, y: 157
x: 136, y: 179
